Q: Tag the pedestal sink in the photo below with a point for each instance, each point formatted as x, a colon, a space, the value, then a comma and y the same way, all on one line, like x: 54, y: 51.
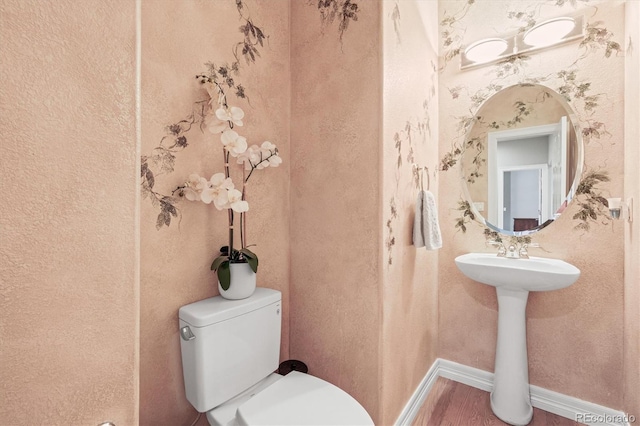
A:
x: 513, y: 280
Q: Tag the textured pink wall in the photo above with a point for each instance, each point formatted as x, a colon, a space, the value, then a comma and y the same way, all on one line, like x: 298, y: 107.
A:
x: 363, y: 324
x: 335, y: 200
x: 632, y: 230
x: 575, y: 335
x: 177, y: 39
x: 68, y: 312
x: 409, y: 294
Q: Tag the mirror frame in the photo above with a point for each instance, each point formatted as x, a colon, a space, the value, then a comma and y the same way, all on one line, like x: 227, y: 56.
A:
x: 568, y: 198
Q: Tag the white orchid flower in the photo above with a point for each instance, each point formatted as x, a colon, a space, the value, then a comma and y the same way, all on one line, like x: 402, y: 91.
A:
x: 217, y: 191
x: 233, y: 114
x: 219, y: 179
x: 268, y: 155
x: 214, y: 125
x: 218, y: 121
x: 250, y: 157
x: 268, y: 146
x: 236, y: 203
x: 275, y: 160
x: 233, y: 142
x: 194, y: 186
x: 221, y: 200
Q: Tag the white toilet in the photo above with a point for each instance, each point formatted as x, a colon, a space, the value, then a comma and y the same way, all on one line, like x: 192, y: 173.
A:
x: 230, y: 350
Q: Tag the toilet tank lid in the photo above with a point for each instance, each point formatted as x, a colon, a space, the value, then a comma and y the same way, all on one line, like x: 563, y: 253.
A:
x: 215, y: 309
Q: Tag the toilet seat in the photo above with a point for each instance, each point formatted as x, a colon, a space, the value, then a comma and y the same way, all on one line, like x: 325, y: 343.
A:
x: 302, y: 399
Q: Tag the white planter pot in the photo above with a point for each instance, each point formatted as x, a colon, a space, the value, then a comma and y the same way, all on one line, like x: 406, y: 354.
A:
x: 243, y: 282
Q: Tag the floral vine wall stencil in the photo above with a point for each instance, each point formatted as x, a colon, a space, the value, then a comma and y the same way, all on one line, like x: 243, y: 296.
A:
x: 401, y: 138
x: 344, y: 11
x: 592, y: 205
x: 223, y: 79
x: 528, y: 17
x: 404, y: 138
x: 391, y: 239
x: 576, y: 90
x: 253, y: 36
x: 466, y: 215
x: 452, y: 32
x: 395, y: 17
x: 405, y: 146
x: 414, y: 132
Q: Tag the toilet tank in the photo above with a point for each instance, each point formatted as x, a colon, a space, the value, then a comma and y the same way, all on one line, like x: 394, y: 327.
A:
x: 228, y: 345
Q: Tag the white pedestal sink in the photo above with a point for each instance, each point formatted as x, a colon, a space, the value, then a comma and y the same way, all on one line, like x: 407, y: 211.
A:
x: 513, y: 280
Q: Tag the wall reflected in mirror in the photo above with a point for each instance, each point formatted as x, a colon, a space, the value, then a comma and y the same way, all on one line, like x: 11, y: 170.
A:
x: 522, y: 159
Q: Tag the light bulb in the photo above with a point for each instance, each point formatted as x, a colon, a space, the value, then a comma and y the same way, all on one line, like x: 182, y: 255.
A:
x: 485, y: 50
x: 549, y: 32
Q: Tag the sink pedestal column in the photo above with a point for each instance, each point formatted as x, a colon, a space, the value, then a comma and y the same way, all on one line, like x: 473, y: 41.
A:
x: 510, y: 399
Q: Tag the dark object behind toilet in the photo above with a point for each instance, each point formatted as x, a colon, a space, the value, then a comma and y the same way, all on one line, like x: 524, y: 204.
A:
x: 290, y: 365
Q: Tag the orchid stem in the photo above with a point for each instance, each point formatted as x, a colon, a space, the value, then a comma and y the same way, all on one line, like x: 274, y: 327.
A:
x: 226, y: 173
x: 243, y: 222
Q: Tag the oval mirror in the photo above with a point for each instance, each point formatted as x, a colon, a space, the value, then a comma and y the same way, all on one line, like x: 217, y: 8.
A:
x: 522, y: 159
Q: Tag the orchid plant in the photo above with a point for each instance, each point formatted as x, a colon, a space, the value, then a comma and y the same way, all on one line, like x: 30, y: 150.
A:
x: 220, y: 189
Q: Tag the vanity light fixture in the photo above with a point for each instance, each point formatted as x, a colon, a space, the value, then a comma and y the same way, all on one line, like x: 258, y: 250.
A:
x: 544, y: 35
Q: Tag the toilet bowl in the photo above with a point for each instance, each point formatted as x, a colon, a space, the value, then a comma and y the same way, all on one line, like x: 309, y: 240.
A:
x: 230, y: 350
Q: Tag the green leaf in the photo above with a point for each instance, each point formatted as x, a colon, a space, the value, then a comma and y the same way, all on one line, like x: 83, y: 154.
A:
x: 224, y: 275
x: 217, y: 262
x: 252, y: 259
x: 248, y: 253
x: 253, y: 263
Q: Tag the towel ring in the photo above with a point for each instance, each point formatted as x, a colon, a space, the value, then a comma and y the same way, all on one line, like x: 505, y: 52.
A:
x: 426, y: 170
x: 422, y: 171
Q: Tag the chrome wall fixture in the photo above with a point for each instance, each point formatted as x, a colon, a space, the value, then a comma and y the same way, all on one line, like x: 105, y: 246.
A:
x: 619, y: 209
x: 544, y: 35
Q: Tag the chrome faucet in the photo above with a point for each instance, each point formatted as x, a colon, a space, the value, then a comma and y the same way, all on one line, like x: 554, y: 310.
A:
x: 522, y: 253
x: 502, y: 251
x: 514, y: 250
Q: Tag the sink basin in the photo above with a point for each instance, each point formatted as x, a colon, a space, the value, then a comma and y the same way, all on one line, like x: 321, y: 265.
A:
x: 533, y: 274
x: 513, y: 280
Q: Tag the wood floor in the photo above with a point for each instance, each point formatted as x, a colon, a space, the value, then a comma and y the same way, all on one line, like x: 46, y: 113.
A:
x: 450, y: 403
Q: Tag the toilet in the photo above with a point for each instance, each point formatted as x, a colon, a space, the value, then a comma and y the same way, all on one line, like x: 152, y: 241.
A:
x: 230, y: 350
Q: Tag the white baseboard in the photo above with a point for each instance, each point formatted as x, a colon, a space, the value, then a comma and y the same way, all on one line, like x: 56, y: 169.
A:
x: 415, y: 402
x: 553, y: 402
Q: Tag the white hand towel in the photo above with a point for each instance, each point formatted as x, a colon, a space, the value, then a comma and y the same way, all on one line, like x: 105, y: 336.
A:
x: 426, y: 228
x: 418, y: 221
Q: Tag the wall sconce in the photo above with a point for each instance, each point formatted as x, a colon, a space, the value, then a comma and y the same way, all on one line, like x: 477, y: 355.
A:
x: 619, y: 209
x: 551, y: 32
